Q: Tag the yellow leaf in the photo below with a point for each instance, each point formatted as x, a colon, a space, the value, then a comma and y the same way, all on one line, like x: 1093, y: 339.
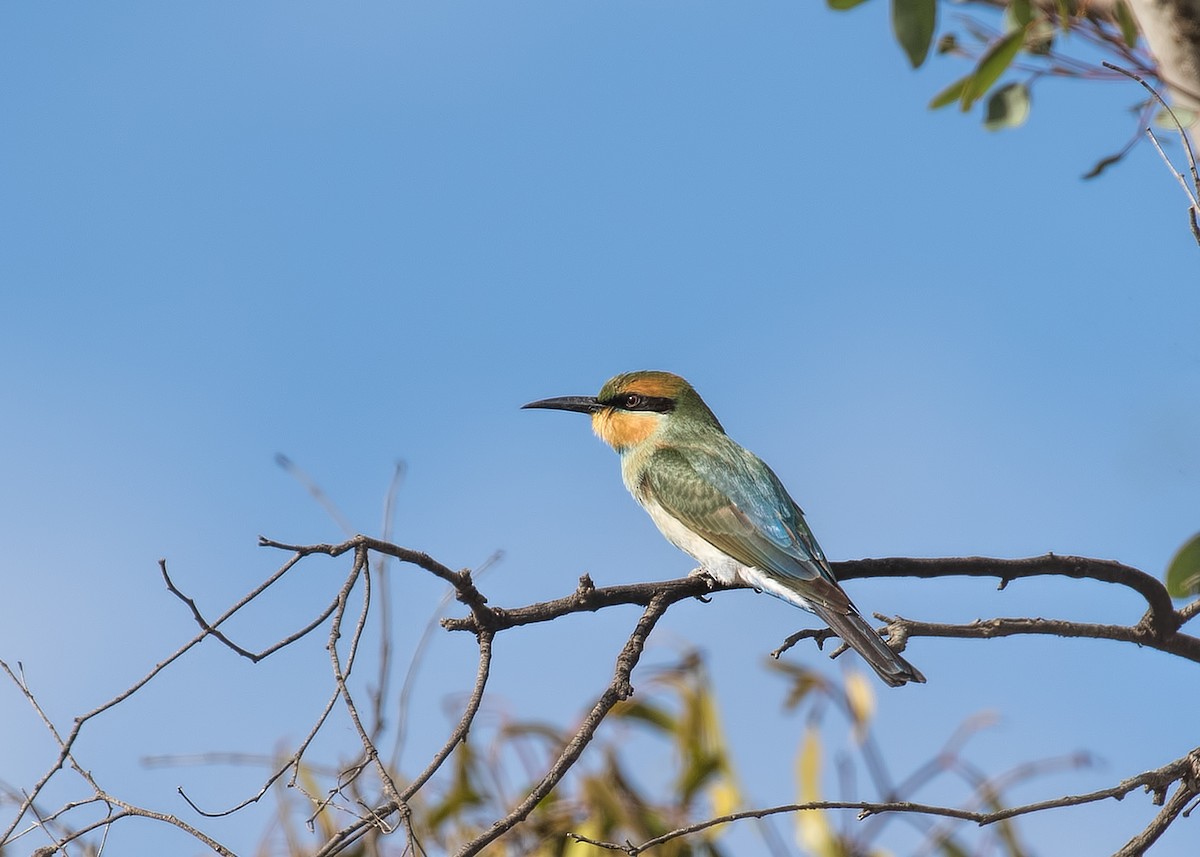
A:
x: 719, y: 783
x: 812, y: 826
x: 861, y: 700
x: 725, y: 797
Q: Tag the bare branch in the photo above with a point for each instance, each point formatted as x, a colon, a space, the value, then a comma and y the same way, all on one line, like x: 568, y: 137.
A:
x: 1182, y: 645
x: 1189, y: 787
x: 418, y: 655
x: 361, y: 562
x: 384, y: 672
x: 1162, y: 618
x: 1193, y: 191
x: 460, y: 580
x: 212, y: 629
x: 587, y: 599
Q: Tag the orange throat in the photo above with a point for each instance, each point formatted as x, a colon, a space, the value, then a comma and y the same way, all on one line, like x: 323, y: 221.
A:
x: 623, y: 429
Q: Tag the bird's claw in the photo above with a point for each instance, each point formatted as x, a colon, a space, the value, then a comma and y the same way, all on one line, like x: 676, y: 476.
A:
x: 709, y: 581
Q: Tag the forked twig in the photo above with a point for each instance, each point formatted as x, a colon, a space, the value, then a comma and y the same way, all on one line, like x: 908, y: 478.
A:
x: 1192, y: 192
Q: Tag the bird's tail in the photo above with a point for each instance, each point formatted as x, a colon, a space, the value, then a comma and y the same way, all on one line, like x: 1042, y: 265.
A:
x: 860, y: 636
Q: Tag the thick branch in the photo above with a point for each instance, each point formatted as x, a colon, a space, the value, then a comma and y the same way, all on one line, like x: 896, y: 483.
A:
x: 1158, y: 628
x: 1162, y: 618
x: 1181, y: 645
x: 588, y: 599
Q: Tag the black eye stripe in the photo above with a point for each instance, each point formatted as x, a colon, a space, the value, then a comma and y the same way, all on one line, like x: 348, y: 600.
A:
x: 638, y: 402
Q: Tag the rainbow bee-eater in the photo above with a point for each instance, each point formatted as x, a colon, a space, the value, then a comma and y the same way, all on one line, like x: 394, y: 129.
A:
x: 721, y: 504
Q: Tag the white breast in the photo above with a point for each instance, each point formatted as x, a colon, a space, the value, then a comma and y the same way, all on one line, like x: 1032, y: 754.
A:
x: 719, y: 564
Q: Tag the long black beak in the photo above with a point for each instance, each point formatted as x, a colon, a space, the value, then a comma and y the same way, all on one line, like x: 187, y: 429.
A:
x: 579, y: 404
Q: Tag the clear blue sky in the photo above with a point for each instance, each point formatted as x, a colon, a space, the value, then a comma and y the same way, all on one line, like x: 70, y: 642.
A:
x: 359, y: 233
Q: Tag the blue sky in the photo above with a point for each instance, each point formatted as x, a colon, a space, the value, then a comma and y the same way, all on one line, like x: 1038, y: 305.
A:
x: 357, y: 234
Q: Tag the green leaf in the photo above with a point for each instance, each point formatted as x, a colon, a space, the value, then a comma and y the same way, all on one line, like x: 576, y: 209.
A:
x: 951, y: 93
x: 1067, y: 10
x: 950, y: 848
x: 1125, y: 20
x: 842, y: 5
x: 1007, y: 107
x: 802, y: 680
x: 699, y: 772
x: 1018, y: 14
x: 913, y: 22
x: 991, y: 65
x: 1183, y: 574
x: 462, y: 794
x: 1182, y: 117
x: 647, y: 713
x: 1039, y: 38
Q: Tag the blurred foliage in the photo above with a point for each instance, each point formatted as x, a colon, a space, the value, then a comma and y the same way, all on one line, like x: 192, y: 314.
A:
x: 658, y: 763
x: 612, y: 794
x: 833, y: 833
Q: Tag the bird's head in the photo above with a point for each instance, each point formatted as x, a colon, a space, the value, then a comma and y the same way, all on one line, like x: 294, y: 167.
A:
x: 635, y: 406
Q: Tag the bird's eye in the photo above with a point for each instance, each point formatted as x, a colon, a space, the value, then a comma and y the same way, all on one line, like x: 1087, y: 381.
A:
x: 632, y: 400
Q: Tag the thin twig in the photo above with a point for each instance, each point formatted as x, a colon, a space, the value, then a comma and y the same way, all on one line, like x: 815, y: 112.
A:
x: 1193, y: 191
x: 384, y: 671
x: 341, y: 674
x: 418, y: 657
x: 323, y: 500
x: 351, y: 833
x: 211, y: 629
x: 1188, y: 788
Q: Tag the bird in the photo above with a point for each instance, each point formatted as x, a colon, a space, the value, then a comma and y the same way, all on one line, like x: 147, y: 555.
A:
x: 720, y: 503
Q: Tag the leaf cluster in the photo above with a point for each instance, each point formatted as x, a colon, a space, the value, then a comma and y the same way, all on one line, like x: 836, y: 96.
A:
x: 1011, y: 45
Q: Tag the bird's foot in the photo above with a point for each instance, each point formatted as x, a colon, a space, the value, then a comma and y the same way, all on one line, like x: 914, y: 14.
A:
x: 709, y: 581
x: 818, y: 635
